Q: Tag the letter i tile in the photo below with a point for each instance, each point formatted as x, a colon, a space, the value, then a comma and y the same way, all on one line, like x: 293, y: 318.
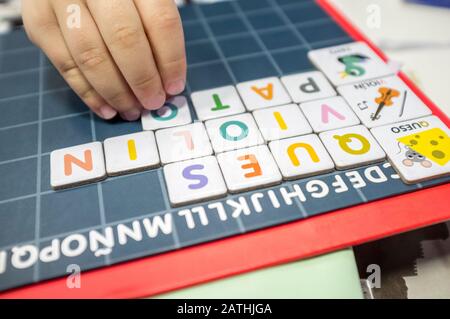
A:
x: 77, y: 165
x: 249, y: 168
x: 132, y: 152
x: 281, y: 121
x: 352, y: 147
x: 194, y: 180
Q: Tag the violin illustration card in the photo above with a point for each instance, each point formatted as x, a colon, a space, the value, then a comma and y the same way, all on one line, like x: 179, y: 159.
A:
x: 383, y: 101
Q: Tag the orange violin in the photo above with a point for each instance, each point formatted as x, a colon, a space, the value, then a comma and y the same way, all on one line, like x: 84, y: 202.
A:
x: 385, y: 99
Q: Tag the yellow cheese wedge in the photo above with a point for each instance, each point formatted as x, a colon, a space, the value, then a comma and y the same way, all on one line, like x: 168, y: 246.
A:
x: 434, y: 144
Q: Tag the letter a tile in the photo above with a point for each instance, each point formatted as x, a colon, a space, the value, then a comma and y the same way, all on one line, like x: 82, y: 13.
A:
x: 263, y: 93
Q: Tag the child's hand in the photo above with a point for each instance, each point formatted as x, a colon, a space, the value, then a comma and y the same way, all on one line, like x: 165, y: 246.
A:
x: 124, y: 56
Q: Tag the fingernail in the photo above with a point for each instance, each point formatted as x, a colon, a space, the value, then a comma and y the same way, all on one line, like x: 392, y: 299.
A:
x: 107, y: 112
x: 175, y: 87
x: 132, y: 115
x: 155, y: 101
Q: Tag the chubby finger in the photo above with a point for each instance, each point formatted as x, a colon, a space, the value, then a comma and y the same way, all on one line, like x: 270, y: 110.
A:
x: 94, y: 60
x: 124, y: 35
x: 162, y: 24
x: 43, y: 29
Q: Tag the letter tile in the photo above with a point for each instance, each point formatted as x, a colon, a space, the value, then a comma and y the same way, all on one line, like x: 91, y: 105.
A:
x: 194, y: 180
x: 329, y: 114
x: 77, y: 165
x: 249, y: 168
x: 233, y: 132
x: 263, y: 93
x: 301, y: 156
x: 217, y: 102
x: 308, y: 86
x: 281, y: 121
x: 183, y: 142
x: 352, y: 147
x: 130, y: 153
x: 175, y: 112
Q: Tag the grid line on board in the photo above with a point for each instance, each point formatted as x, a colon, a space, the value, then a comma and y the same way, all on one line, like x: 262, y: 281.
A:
x: 288, y: 22
x: 225, y: 16
x: 37, y: 219
x: 28, y: 46
x: 255, y: 34
x: 101, y: 202
x: 216, y: 45
x: 163, y: 186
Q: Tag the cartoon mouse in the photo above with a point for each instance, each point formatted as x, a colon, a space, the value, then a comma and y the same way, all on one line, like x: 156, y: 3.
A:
x: 412, y: 157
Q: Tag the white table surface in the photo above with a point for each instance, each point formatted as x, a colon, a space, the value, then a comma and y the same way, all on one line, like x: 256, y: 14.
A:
x: 415, y: 35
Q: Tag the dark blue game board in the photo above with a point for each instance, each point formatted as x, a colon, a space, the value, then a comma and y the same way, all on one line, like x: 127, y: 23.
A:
x: 42, y: 232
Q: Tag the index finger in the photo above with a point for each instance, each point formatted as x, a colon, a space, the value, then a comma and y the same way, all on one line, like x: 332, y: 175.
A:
x: 162, y: 24
x: 122, y: 30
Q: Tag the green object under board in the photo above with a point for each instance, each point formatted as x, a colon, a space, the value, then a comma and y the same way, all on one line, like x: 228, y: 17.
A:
x: 334, y: 275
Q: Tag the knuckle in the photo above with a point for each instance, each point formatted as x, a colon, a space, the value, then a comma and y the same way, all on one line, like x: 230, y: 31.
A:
x: 173, y: 69
x: 119, y: 99
x: 46, y: 26
x: 167, y: 19
x: 146, y: 81
x: 91, y: 57
x: 177, y: 64
x: 126, y: 36
x: 88, y: 95
x: 38, y: 29
x: 68, y: 68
